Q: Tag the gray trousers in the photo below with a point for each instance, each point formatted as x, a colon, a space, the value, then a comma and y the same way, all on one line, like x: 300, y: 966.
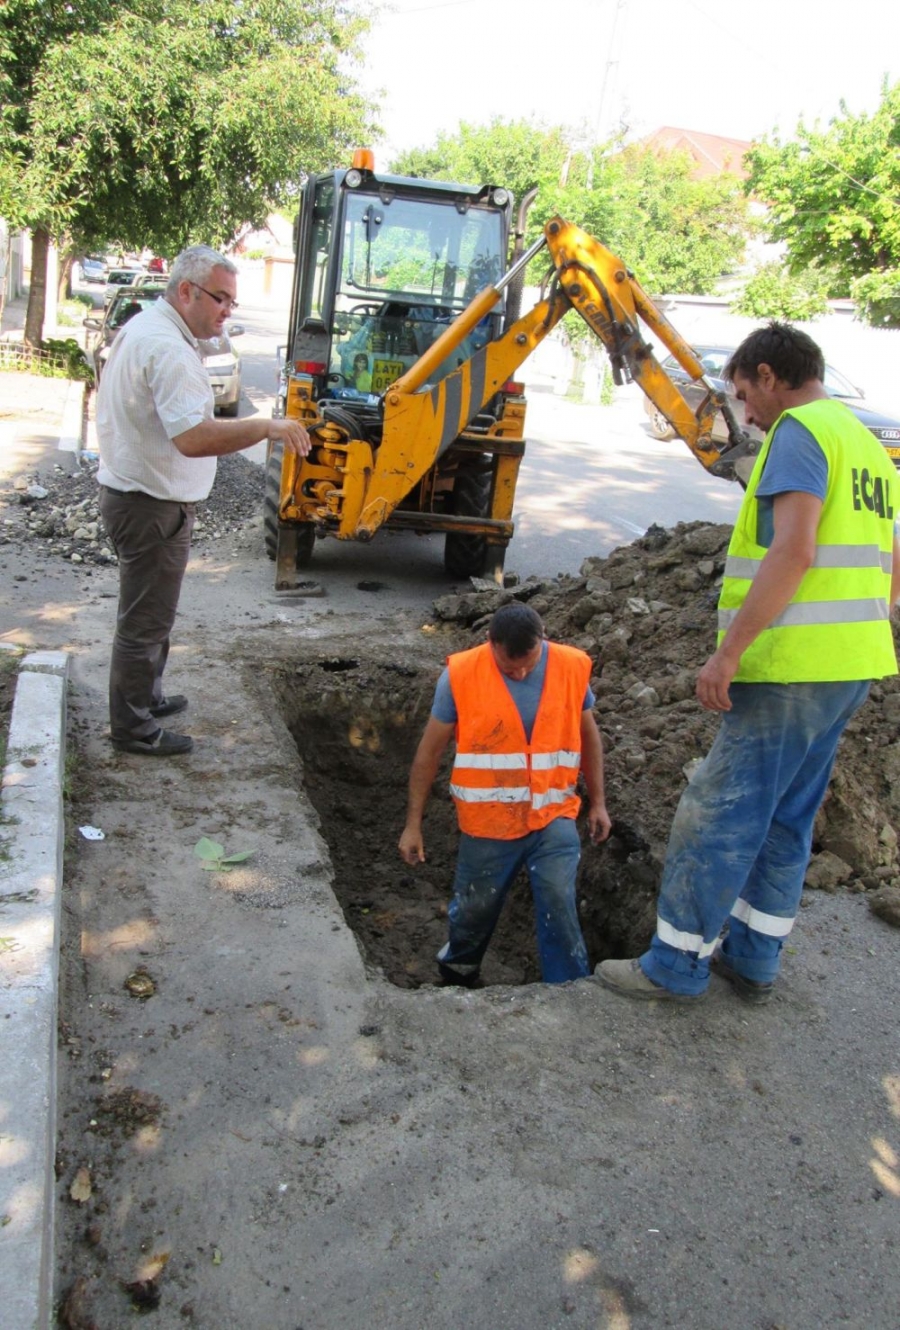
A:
x: 152, y: 538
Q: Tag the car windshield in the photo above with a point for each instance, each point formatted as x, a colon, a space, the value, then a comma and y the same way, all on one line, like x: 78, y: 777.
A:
x: 132, y: 304
x: 837, y: 386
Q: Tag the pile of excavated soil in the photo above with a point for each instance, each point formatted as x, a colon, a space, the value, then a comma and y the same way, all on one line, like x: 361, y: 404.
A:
x: 646, y: 616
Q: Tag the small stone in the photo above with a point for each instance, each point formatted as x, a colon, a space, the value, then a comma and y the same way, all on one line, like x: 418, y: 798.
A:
x: 885, y: 902
x: 826, y: 872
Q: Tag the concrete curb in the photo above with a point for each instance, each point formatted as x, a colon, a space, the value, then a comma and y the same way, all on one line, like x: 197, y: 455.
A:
x: 31, y: 839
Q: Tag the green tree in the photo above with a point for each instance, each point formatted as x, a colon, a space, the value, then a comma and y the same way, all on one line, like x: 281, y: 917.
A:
x: 773, y: 292
x: 674, y: 232
x: 834, y: 197
x: 516, y: 154
x: 175, y: 122
x: 28, y: 30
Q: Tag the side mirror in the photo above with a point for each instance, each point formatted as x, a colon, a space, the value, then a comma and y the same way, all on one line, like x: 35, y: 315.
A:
x: 236, y: 330
x: 91, y: 323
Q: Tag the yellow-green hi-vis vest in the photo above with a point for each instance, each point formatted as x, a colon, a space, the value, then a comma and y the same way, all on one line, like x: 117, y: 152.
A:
x: 837, y: 625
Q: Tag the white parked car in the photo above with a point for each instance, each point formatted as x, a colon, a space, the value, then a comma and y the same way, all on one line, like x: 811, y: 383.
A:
x: 119, y: 277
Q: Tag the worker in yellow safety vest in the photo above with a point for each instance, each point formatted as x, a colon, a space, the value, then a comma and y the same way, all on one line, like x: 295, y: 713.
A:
x: 812, y: 571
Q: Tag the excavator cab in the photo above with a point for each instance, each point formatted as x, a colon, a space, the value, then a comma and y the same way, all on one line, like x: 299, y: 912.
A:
x: 384, y: 265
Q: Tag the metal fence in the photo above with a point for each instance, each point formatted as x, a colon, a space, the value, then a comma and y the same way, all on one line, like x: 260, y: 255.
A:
x: 17, y: 356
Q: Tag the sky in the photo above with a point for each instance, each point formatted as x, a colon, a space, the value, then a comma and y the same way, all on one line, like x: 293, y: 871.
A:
x: 589, y: 64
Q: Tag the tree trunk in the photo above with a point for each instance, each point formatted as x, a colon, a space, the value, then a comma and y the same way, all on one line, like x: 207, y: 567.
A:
x: 37, y: 290
x: 64, y: 284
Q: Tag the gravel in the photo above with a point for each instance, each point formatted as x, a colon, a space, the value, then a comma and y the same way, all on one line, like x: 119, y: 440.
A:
x: 59, y: 509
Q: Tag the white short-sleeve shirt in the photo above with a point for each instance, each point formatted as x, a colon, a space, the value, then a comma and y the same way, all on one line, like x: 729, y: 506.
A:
x: 154, y: 387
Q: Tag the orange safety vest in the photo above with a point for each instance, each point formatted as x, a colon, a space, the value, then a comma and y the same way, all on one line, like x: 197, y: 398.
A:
x: 503, y: 786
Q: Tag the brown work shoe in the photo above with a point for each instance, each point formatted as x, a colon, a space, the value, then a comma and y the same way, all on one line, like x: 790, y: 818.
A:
x: 628, y: 979
x: 748, y: 990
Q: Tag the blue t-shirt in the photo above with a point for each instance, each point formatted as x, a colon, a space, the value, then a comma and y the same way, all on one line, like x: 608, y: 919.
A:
x: 526, y: 693
x: 796, y: 463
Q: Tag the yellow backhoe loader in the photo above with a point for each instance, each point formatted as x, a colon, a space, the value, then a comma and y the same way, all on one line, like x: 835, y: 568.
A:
x: 404, y: 343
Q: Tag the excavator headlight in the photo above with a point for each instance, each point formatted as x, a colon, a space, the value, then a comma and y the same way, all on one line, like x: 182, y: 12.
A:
x: 353, y: 178
x: 501, y: 197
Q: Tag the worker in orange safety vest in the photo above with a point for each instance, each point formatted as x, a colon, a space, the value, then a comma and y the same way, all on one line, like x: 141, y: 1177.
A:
x: 520, y: 711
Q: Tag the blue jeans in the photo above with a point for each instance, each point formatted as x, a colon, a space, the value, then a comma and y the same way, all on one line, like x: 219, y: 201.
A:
x: 741, y: 837
x: 485, y: 871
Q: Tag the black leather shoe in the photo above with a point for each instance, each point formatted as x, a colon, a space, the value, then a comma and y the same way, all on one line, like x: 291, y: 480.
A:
x: 454, y: 979
x: 162, y: 744
x: 168, y: 706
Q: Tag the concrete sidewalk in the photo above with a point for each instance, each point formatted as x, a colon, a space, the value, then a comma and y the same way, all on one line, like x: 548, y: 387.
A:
x: 32, y: 829
x: 40, y: 428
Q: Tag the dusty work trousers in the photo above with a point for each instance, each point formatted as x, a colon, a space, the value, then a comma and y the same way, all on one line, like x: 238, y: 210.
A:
x: 740, y: 842
x: 485, y: 871
x: 152, y: 539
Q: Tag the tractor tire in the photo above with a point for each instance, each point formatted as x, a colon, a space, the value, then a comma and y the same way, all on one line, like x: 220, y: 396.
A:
x: 465, y: 555
x: 306, y: 535
x: 659, y: 426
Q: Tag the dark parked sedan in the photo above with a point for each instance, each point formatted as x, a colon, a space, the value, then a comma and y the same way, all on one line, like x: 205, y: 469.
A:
x: 714, y: 359
x: 220, y: 357
x: 127, y: 302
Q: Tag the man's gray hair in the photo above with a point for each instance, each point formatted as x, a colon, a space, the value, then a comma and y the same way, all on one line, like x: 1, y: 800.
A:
x: 195, y: 265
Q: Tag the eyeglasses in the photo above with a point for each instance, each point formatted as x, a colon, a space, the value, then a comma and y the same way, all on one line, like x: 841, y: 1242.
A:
x: 228, y: 303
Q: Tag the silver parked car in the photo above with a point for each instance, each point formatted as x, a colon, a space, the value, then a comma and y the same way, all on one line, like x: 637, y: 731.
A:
x: 223, y: 364
x: 93, y: 269
x: 116, y: 278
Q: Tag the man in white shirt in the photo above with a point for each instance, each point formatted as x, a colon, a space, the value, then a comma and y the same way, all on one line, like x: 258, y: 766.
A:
x: 159, y: 440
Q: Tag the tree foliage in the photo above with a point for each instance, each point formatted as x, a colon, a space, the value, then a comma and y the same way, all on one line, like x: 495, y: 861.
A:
x: 834, y: 197
x: 674, y: 232
x: 516, y: 154
x: 165, y: 122
x: 774, y: 293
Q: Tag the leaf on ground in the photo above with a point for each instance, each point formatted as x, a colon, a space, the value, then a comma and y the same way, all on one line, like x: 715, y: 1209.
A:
x: 81, y: 1189
x: 208, y: 849
x: 237, y: 858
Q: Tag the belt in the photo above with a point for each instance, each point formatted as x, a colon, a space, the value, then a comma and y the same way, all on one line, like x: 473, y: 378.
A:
x: 142, y: 494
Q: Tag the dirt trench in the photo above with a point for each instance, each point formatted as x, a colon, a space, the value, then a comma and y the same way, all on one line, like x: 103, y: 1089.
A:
x: 646, y: 616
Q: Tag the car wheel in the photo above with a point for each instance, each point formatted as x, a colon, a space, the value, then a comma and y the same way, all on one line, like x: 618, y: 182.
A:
x: 659, y: 426
x: 231, y: 410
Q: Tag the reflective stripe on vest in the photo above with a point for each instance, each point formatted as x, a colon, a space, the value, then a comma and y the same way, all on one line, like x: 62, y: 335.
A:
x: 837, y: 624
x: 820, y: 611
x: 827, y: 556
x: 504, y: 787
